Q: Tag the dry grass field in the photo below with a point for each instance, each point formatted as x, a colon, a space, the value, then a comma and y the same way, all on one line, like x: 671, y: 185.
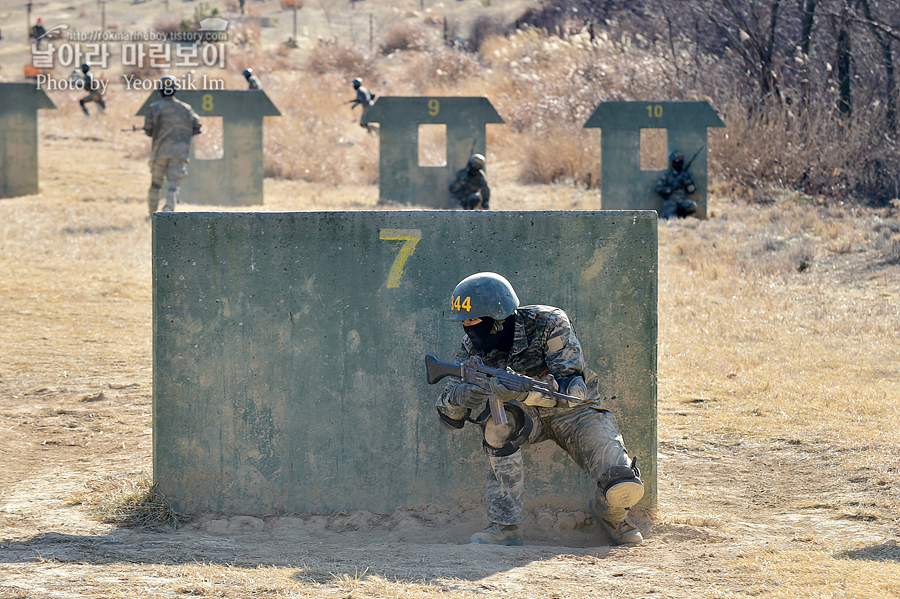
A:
x: 779, y: 448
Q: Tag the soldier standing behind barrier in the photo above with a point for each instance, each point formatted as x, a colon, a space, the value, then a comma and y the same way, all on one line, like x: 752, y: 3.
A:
x: 673, y: 186
x: 93, y: 88
x: 171, y: 123
x: 252, y: 80
x: 469, y: 185
x: 38, y: 32
x: 538, y: 342
x: 365, y: 98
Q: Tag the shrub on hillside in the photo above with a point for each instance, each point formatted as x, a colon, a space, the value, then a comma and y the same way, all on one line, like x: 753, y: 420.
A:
x: 349, y: 60
x: 442, y: 67
x: 565, y: 156
x: 405, y: 35
x: 482, y: 28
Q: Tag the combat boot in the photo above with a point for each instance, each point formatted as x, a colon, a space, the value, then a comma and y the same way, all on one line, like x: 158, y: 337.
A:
x: 498, y: 534
x: 622, y: 532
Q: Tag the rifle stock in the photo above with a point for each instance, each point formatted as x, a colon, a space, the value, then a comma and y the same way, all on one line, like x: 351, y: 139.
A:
x: 438, y: 369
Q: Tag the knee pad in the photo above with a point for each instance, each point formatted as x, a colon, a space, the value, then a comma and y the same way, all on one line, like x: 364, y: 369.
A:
x: 505, y: 439
x: 622, y: 486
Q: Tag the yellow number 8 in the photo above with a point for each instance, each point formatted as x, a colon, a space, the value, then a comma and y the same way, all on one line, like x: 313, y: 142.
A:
x: 207, y: 102
x: 433, y: 107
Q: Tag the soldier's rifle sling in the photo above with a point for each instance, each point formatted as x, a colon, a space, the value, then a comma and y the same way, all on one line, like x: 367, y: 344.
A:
x: 687, y: 167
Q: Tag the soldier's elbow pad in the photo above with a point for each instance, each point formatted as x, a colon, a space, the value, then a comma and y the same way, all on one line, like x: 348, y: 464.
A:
x: 691, y: 188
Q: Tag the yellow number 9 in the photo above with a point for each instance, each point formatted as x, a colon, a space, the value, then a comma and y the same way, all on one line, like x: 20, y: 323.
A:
x: 207, y: 102
x: 434, y: 107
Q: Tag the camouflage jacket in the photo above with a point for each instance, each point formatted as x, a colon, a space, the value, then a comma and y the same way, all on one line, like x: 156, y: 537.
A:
x: 671, y: 188
x: 544, y: 343
x: 91, y: 85
x: 171, y: 123
x: 253, y: 82
x: 364, y: 97
x: 465, y: 184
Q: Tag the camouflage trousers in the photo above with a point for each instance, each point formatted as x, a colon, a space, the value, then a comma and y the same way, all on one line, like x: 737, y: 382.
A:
x: 590, y: 436
x: 680, y: 207
x: 169, y: 171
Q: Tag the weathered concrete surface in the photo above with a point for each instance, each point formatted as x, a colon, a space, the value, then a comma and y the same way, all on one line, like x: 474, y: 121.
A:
x: 400, y: 177
x: 19, y: 103
x: 288, y: 353
x: 236, y: 179
x: 623, y: 184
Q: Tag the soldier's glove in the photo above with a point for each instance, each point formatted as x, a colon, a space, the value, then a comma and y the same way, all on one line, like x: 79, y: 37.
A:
x: 466, y: 395
x: 504, y: 393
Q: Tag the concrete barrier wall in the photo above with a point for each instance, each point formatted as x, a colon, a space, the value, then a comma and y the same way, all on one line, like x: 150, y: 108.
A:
x: 288, y: 352
x: 19, y: 103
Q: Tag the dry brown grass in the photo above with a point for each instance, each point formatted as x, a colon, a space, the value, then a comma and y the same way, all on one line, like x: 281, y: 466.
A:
x: 128, y: 501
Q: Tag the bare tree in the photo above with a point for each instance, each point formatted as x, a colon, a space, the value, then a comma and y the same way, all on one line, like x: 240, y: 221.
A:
x: 751, y: 29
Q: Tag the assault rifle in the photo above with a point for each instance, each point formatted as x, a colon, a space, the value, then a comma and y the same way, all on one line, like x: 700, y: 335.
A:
x: 686, y: 168
x: 473, y: 371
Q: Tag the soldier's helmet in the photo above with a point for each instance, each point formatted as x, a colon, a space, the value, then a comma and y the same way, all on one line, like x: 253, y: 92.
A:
x: 40, y: 21
x: 476, y: 161
x: 168, y: 85
x: 248, y: 72
x: 85, y: 68
x: 356, y: 83
x: 676, y: 158
x: 484, y: 294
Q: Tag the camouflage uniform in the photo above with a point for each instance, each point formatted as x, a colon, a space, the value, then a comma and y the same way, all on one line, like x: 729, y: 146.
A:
x: 253, y: 82
x: 674, y: 186
x: 544, y: 343
x: 469, y: 187
x: 93, y: 88
x: 366, y: 99
x: 171, y: 123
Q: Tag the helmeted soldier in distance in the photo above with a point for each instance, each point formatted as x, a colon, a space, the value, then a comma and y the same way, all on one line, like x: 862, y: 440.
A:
x: 92, y: 86
x: 674, y: 185
x: 469, y: 185
x: 37, y: 33
x: 171, y: 123
x: 539, y: 342
x: 252, y: 80
x: 364, y: 98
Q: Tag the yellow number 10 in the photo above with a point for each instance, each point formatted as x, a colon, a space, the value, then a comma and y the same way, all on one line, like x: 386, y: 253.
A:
x: 654, y: 110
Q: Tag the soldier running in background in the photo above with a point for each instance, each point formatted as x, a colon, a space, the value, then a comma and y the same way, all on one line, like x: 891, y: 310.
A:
x: 365, y: 98
x: 252, y: 80
x: 538, y: 342
x: 469, y: 185
x: 93, y: 88
x: 674, y: 185
x: 171, y: 123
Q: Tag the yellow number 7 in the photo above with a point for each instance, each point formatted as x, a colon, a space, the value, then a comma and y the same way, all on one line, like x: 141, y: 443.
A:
x: 410, y: 237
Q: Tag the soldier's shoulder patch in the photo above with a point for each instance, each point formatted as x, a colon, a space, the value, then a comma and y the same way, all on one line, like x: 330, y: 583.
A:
x: 555, y: 344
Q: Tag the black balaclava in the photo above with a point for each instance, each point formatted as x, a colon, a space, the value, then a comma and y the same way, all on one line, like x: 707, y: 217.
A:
x: 489, y: 334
